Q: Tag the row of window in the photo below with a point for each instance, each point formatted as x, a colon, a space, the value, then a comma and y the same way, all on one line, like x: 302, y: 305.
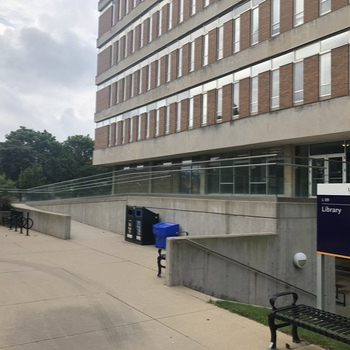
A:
x: 137, y: 82
x: 190, y: 53
x: 183, y: 111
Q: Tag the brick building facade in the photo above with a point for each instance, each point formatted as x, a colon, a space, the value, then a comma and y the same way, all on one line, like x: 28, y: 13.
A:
x: 188, y: 80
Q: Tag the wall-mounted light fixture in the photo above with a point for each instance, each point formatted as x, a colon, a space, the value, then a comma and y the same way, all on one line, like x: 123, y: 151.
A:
x: 300, y: 260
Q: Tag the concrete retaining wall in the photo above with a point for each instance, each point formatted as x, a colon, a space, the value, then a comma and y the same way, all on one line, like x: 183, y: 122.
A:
x: 263, y: 233
x: 53, y: 224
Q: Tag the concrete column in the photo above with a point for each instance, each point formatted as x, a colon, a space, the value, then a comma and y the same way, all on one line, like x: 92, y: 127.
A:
x: 289, y: 186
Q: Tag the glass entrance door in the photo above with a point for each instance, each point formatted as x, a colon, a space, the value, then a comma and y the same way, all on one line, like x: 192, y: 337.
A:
x: 326, y: 169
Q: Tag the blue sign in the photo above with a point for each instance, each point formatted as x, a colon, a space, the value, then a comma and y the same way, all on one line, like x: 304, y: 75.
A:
x: 333, y: 220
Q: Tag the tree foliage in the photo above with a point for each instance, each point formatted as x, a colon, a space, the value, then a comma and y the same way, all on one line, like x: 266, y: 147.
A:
x: 31, y: 158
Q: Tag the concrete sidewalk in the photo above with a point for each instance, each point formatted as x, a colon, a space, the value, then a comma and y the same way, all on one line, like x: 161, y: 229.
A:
x: 97, y: 291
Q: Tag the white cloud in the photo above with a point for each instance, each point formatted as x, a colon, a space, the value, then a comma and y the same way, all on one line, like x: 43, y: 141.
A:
x: 48, y: 66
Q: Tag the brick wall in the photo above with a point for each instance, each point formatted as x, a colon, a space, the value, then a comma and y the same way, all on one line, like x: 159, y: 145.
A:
x: 105, y: 22
x: 104, y: 60
x: 286, y: 86
x: 311, y: 79
x: 120, y: 131
x: 198, y: 110
x: 338, y: 4
x: 185, y: 58
x: 340, y: 71
x: 245, y: 30
x: 184, y: 114
x: 212, y: 55
x: 172, y: 126
x: 286, y: 16
x: 227, y: 103
x: 162, y: 112
x: 101, y: 137
x: 228, y: 38
x: 265, y: 20
x: 152, y: 124
x: 102, y: 99
x: 264, y: 92
x: 198, y: 53
x: 311, y: 10
x: 135, y: 120
x: 143, y: 117
x: 244, y: 97
x: 211, y: 107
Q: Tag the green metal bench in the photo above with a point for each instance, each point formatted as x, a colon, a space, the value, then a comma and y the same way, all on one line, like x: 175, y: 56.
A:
x: 322, y: 322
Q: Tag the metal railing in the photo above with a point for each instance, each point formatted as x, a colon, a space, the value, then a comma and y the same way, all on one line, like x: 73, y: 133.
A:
x: 254, y: 175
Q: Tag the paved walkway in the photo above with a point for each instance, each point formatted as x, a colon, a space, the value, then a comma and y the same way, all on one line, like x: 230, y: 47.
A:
x: 99, y: 292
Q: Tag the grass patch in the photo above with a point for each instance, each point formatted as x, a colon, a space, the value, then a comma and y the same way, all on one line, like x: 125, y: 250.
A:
x: 259, y: 314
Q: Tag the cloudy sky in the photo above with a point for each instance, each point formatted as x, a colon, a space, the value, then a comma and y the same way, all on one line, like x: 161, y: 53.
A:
x: 48, y: 66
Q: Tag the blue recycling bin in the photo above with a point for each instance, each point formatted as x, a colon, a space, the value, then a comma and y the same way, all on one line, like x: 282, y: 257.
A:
x: 163, y: 230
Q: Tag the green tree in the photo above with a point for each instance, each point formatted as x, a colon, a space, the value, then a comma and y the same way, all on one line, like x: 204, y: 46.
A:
x: 31, y: 177
x: 26, y: 148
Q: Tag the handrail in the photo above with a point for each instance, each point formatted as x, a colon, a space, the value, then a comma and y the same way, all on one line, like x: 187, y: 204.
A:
x: 208, y: 250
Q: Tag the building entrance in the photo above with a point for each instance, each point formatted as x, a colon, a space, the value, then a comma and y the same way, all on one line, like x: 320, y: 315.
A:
x: 327, y: 168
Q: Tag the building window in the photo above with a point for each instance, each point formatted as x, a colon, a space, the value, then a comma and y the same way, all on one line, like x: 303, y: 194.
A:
x: 220, y: 43
x: 170, y: 15
x: 275, y: 88
x: 122, y: 132
x: 114, y: 141
x: 139, y: 128
x: 254, y: 95
x: 181, y: 11
x: 204, y: 109
x: 109, y: 135
x: 131, y: 125
x: 119, y: 10
x: 276, y: 16
x: 149, y: 77
x: 160, y: 20
x: 325, y: 74
x: 193, y: 7
x: 157, y: 123
x: 298, y: 12
x: 147, y: 125
x: 125, y: 46
x: 150, y: 29
x: 158, y: 72
x: 132, y: 40
x: 190, y: 113
x: 179, y: 62
x: 325, y: 6
x: 206, y: 3
x: 178, y: 116
x: 192, y: 56
x: 237, y: 35
x: 124, y: 89
x: 140, y: 82
x: 168, y: 68
x: 219, y: 104
x: 205, y: 49
x: 298, y: 82
x: 167, y: 119
x: 255, y: 26
x: 117, y: 92
x: 235, y: 100
x: 141, y: 35
x: 131, y: 88
x: 126, y: 7
x: 118, y: 48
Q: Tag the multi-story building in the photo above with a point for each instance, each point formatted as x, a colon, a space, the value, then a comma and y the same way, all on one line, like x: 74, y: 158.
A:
x: 257, y: 90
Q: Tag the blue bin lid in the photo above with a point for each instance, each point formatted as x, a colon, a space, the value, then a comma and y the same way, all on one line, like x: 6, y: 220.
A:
x: 164, y: 224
